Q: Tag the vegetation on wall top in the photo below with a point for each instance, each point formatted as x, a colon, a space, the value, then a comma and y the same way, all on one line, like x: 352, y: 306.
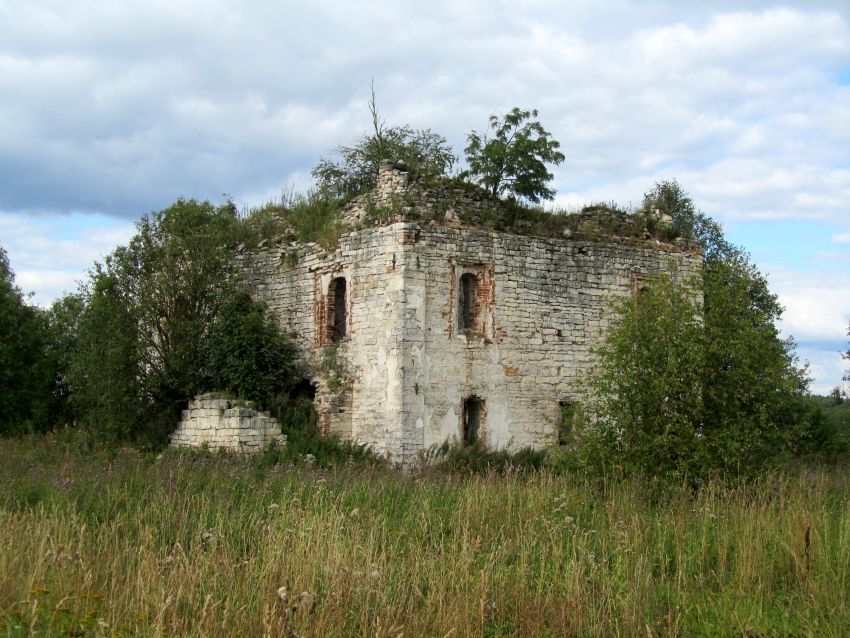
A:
x: 507, y: 178
x: 355, y: 170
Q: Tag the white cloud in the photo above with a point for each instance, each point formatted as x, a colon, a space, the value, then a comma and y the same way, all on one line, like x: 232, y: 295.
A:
x: 773, y: 38
x: 817, y: 305
x: 161, y: 100
x: 826, y: 367
x: 841, y: 238
x: 50, y: 254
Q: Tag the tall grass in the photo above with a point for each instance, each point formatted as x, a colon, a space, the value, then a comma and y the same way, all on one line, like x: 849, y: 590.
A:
x: 310, y: 217
x: 101, y: 543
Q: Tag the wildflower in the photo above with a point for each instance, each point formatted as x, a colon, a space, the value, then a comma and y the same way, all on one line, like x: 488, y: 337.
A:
x: 306, y: 602
x: 354, y: 513
x: 208, y: 536
x: 283, y: 594
x: 569, y: 520
x: 272, y: 508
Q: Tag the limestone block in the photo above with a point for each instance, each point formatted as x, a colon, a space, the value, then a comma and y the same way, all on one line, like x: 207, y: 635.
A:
x: 211, y: 421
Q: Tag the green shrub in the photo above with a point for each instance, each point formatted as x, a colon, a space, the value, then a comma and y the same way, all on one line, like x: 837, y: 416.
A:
x: 139, y: 353
x: 646, y: 392
x: 685, y: 390
x: 246, y: 355
x: 829, y: 437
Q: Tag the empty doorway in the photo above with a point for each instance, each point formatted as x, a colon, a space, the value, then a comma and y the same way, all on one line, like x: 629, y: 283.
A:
x: 473, y: 410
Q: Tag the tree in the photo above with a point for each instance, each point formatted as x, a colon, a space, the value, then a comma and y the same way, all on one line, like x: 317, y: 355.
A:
x: 63, y: 320
x: 668, y: 198
x: 26, y: 377
x: 423, y: 151
x: 181, y: 269
x: 105, y: 376
x: 149, y: 309
x: 684, y: 389
x: 514, y: 160
x: 645, y: 392
x: 754, y: 388
x: 689, y: 388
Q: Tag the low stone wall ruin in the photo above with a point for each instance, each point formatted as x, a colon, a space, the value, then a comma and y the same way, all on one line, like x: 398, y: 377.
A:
x: 226, y: 424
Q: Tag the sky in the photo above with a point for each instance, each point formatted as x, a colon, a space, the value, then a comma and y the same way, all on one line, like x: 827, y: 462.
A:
x: 111, y: 110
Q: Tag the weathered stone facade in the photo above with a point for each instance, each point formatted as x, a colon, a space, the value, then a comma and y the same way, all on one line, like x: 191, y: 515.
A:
x: 224, y: 423
x: 447, y: 328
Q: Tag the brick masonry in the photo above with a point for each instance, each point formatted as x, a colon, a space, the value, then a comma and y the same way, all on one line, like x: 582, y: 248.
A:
x: 398, y: 379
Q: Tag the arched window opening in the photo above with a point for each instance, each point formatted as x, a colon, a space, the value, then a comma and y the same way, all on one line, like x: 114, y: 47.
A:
x: 466, y: 302
x: 473, y: 408
x: 339, y: 310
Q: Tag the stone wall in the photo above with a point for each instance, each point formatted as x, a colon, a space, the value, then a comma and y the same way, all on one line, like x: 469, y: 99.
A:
x: 542, y: 303
x: 400, y: 377
x: 358, y: 379
x: 228, y: 424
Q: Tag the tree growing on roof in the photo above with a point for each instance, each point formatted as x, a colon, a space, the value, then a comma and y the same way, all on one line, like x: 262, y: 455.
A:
x: 511, y: 157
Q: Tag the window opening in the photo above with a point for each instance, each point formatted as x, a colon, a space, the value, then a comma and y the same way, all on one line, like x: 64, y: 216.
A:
x: 339, y: 317
x: 473, y: 407
x: 566, y: 421
x: 303, y: 389
x: 466, y: 302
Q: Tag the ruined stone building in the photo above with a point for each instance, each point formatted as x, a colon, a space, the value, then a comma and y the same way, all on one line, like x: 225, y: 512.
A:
x: 446, y: 314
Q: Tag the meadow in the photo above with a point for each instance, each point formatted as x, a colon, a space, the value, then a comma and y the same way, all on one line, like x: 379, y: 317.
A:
x: 115, y: 542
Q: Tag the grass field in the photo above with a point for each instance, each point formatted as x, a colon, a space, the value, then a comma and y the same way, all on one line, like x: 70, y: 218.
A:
x: 100, y: 543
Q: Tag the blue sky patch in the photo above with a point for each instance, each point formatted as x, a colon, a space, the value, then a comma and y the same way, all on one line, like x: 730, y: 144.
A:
x: 791, y: 242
